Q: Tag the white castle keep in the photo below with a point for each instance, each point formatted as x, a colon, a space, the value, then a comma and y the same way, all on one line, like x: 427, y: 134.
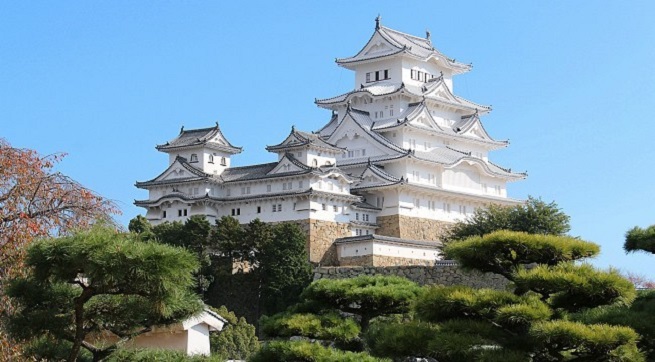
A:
x: 401, y: 157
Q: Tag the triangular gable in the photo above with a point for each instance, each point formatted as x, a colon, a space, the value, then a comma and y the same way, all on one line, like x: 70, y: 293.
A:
x: 471, y: 164
x: 473, y: 128
x: 349, y: 129
x: 179, y: 170
x: 378, y: 46
x: 372, y: 176
x: 441, y: 91
x: 286, y: 164
x: 422, y: 118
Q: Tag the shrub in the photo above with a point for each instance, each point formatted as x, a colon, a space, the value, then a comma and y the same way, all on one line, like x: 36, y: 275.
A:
x: 285, y: 351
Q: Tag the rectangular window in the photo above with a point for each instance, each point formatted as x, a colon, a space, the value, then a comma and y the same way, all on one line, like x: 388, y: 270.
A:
x: 268, y: 188
x: 164, y: 214
x: 413, y: 74
x: 259, y: 209
x: 324, y: 207
x: 294, y: 205
x: 357, y: 216
x: 462, y: 209
x: 299, y: 184
x: 368, y: 77
x: 377, y: 75
x: 367, y: 231
x: 289, y: 185
x: 358, y: 232
x: 446, y: 207
x: 179, y: 213
x: 284, y: 186
x: 195, y: 191
x: 386, y: 74
x: 227, y: 192
x: 279, y: 207
x: 274, y: 208
x: 335, y: 208
x: 184, y: 212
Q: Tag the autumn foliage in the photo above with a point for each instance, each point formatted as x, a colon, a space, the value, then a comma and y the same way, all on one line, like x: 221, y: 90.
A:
x: 36, y: 201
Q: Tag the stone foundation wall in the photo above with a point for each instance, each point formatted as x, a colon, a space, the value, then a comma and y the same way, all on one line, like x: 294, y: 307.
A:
x: 381, y: 260
x: 320, y: 239
x: 442, y: 273
x: 414, y: 228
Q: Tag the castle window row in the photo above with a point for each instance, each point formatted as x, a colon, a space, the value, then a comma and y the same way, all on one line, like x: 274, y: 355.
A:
x: 377, y: 75
x: 421, y: 76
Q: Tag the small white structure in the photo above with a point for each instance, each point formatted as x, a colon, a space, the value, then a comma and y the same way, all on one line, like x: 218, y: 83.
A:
x: 190, y: 336
x: 401, y: 156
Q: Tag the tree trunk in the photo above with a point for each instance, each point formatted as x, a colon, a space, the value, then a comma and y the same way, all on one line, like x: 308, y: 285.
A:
x: 79, y: 323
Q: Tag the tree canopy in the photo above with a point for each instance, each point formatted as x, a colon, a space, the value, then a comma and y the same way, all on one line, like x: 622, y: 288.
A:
x: 100, y: 280
x: 638, y: 239
x: 534, y: 216
x: 36, y: 201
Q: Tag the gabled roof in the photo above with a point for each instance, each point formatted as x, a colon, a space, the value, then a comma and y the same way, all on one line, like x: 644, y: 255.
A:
x: 211, y: 137
x: 179, y: 162
x: 266, y: 171
x: 385, y: 179
x: 387, y: 42
x: 435, y: 90
x: 363, y: 121
x: 450, y: 157
x: 471, y: 126
x: 297, y: 139
x: 459, y: 130
x: 288, y: 160
x: 330, y: 126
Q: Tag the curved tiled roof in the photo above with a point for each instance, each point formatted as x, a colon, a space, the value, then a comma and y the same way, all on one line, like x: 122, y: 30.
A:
x: 301, y: 139
x: 200, y: 137
x: 391, y: 88
x: 179, y: 160
x: 404, y: 43
x: 187, y: 198
x: 389, y: 239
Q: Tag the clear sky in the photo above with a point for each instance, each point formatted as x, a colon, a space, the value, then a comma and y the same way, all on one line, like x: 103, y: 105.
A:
x: 572, y: 84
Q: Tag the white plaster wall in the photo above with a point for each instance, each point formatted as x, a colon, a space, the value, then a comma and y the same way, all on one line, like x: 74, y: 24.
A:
x: 394, y: 66
x: 432, y: 68
x: 198, y: 340
x: 371, y: 247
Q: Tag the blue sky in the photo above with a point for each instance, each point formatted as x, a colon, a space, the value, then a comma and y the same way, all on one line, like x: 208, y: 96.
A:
x: 571, y: 83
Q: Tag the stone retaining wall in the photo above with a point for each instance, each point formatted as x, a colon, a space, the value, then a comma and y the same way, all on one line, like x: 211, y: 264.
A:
x: 320, y: 239
x: 413, y: 228
x: 381, y: 260
x: 442, y: 273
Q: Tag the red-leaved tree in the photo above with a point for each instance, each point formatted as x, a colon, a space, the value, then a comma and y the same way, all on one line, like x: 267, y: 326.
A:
x: 36, y: 201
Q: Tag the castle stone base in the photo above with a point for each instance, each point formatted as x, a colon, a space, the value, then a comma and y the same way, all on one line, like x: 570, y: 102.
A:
x: 320, y: 239
x: 382, y: 261
x: 413, y: 228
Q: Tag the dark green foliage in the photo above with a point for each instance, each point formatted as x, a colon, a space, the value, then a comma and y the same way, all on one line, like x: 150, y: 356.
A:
x: 366, y: 296
x: 328, y: 326
x: 283, y: 268
x: 284, y: 351
x: 237, y: 340
x: 511, y: 312
x: 505, y: 252
x: 48, y: 348
x: 158, y: 355
x: 575, y: 287
x: 227, y: 237
x: 116, y: 283
x: 640, y: 316
x: 534, y: 217
x: 638, y: 239
x: 594, y: 342
x: 397, y: 340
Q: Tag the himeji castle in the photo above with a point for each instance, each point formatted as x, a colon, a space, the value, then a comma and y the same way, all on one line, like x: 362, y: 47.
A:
x: 400, y: 158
